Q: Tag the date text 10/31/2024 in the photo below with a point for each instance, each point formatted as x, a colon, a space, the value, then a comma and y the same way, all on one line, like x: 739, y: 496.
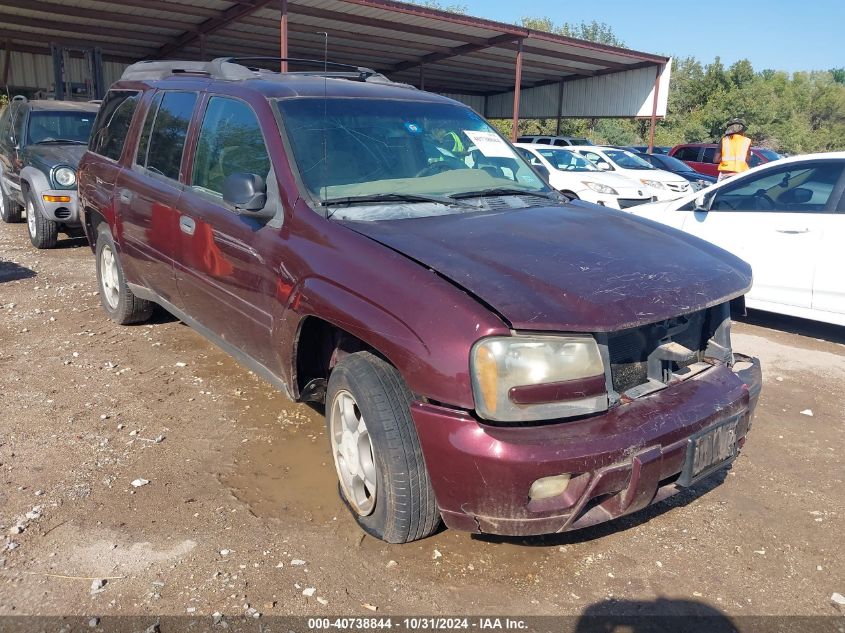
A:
x: 418, y: 623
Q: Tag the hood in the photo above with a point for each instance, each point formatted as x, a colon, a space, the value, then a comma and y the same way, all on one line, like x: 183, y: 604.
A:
x: 661, y: 175
x: 614, y: 180
x: 578, y: 267
x: 58, y: 154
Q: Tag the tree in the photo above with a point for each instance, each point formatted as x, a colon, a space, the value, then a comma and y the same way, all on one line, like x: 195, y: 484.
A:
x: 435, y: 4
x: 598, y: 32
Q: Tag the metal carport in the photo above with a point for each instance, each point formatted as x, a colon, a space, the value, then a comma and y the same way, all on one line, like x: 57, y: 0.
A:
x: 502, y: 70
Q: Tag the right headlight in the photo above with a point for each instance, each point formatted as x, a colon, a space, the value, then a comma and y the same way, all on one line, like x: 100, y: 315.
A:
x: 529, y: 378
x: 600, y: 188
x: 65, y: 176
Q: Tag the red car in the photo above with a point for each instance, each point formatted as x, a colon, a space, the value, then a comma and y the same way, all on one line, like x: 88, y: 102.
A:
x: 700, y: 156
x: 488, y: 353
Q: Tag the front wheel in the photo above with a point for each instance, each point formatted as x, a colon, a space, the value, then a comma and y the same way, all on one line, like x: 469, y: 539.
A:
x: 119, y: 302
x: 43, y: 233
x: 377, y: 454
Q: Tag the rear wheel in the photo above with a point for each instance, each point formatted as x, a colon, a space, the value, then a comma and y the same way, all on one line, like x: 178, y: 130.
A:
x: 10, y: 211
x: 119, y: 302
x: 377, y: 454
x: 43, y: 233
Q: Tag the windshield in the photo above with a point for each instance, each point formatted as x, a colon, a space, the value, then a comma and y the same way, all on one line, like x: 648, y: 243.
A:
x: 770, y: 155
x: 670, y: 163
x: 566, y: 161
x: 366, y: 148
x: 627, y: 160
x: 73, y: 126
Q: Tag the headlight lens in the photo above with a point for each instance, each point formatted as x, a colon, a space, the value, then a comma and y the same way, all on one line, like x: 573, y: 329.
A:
x: 652, y: 183
x: 556, y: 368
x: 600, y: 188
x: 65, y: 176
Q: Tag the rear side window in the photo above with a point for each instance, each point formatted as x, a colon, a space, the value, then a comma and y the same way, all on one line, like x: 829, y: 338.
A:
x: 113, y: 121
x: 709, y: 155
x: 687, y: 154
x: 230, y: 142
x: 167, y: 139
x: 543, y: 141
x: 4, y: 123
x: 144, y: 143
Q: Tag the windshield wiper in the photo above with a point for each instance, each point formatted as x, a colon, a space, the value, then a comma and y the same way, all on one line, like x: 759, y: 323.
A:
x: 395, y: 197
x: 61, y: 140
x: 503, y: 191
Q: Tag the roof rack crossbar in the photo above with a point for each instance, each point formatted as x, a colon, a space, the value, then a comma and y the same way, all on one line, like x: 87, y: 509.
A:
x: 361, y: 71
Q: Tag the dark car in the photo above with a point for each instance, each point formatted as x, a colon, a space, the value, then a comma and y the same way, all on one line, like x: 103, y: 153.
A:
x: 700, y: 156
x: 643, y: 149
x: 487, y: 353
x: 41, y: 143
x: 699, y: 181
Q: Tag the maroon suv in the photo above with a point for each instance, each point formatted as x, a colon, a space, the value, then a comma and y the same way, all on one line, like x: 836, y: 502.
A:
x: 488, y: 354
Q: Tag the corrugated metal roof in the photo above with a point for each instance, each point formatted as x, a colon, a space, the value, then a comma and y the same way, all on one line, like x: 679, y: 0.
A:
x: 459, y: 54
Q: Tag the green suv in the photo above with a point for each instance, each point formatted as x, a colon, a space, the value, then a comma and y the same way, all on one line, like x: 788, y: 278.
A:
x: 41, y: 143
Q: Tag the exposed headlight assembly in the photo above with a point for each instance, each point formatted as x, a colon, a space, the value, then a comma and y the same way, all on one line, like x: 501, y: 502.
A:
x: 529, y: 378
x: 65, y: 176
x: 652, y: 183
x: 600, y: 188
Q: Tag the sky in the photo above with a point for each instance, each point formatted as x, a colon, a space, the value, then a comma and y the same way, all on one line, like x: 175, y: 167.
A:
x: 785, y: 35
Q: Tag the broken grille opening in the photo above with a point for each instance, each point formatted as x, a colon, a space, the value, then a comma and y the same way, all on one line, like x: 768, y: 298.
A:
x: 629, y: 349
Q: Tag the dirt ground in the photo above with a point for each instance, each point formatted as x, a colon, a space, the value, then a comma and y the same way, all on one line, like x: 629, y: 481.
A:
x: 241, y: 506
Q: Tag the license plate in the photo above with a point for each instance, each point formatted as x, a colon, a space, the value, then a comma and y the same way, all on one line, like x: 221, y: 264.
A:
x: 708, y: 451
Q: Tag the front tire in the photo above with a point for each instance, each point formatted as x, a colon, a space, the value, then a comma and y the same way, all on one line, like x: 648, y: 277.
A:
x: 43, y: 233
x: 377, y: 454
x: 119, y: 302
x: 10, y: 211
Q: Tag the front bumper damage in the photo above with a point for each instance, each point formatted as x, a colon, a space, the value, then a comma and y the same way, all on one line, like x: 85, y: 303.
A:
x: 621, y: 461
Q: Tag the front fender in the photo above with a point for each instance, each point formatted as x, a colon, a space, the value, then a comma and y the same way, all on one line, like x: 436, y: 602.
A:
x: 438, y: 377
x: 36, y: 180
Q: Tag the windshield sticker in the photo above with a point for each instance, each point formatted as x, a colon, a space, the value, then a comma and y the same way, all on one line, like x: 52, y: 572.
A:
x: 413, y: 128
x: 490, y: 144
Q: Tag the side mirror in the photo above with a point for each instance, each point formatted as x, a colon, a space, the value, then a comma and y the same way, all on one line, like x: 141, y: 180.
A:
x: 246, y: 192
x: 543, y: 171
x: 603, y: 165
x: 799, y: 195
x: 700, y: 205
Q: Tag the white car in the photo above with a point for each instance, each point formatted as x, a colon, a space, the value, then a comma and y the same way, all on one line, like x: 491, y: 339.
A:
x: 786, y: 219
x: 664, y: 185
x: 577, y: 177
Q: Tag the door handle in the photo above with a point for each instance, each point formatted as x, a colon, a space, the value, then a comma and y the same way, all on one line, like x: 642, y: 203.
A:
x: 187, y: 225
x: 125, y: 196
x: 792, y: 231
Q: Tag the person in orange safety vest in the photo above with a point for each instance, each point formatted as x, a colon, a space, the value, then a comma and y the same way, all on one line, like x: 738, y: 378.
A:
x: 734, y: 151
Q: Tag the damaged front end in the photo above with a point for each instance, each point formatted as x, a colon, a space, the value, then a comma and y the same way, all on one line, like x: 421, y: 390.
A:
x: 679, y: 406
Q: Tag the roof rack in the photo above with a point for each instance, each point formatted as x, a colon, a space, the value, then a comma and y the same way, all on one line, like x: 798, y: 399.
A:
x: 240, y: 68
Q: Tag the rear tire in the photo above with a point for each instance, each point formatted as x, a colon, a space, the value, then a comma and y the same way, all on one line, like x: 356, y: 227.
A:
x: 43, y: 233
x: 387, y: 488
x: 119, y: 302
x: 10, y: 211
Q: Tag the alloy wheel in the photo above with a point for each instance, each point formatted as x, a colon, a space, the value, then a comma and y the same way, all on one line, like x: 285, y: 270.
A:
x: 353, y: 453
x: 109, y: 277
x: 30, y: 219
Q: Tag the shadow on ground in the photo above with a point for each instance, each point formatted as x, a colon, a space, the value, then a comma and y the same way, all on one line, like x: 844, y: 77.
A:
x: 10, y: 271
x: 794, y: 325
x: 653, y: 616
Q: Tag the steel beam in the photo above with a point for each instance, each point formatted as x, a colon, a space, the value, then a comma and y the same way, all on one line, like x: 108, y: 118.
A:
x: 454, y: 52
x: 211, y: 25
x: 283, y: 34
x: 517, y: 88
x: 653, y: 122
